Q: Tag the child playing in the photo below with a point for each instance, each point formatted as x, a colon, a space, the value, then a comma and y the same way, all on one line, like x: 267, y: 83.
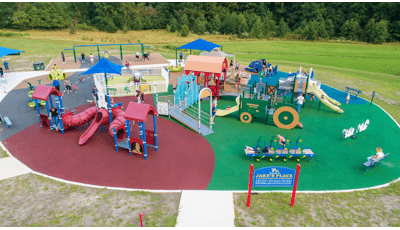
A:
x: 282, y: 140
x: 228, y: 108
x: 74, y: 87
x: 81, y: 79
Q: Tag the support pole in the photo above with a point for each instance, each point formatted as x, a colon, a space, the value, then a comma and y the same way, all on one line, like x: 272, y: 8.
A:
x: 295, y: 185
x: 73, y: 48
x: 59, y: 114
x: 38, y: 111
x: 250, y: 184
x: 176, y: 57
x: 120, y: 50
x: 305, y: 93
x: 373, y: 95
x: 294, y: 83
x: 48, y: 113
x: 51, y: 101
x: 115, y: 139
x: 144, y: 141
x: 128, y: 132
x: 199, y: 122
x: 62, y: 106
x: 109, y: 106
x: 98, y: 52
x: 155, y: 132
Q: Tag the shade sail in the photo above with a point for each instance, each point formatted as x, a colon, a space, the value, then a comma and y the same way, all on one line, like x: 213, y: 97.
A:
x: 104, y: 66
x: 6, y: 51
x: 199, y: 44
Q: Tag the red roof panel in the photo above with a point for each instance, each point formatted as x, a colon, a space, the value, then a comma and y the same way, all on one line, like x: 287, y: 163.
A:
x: 138, y: 112
x: 42, y: 92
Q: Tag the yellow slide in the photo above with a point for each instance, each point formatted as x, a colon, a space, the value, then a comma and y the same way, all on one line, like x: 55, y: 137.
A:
x: 326, y: 100
x: 223, y: 112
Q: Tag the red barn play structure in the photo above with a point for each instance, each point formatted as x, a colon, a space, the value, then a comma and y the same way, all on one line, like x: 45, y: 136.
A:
x: 118, y: 120
x: 216, y: 66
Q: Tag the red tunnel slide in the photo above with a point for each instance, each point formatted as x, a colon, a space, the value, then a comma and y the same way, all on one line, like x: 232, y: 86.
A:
x: 102, y: 118
x: 70, y: 120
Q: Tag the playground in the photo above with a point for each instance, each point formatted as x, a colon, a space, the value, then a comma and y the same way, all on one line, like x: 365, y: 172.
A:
x: 214, y: 159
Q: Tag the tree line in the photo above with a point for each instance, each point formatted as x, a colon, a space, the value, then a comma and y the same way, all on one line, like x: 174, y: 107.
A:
x: 360, y: 21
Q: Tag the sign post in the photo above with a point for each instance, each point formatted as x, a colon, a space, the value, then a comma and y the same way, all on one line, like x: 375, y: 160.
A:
x: 250, y: 182
x: 274, y: 176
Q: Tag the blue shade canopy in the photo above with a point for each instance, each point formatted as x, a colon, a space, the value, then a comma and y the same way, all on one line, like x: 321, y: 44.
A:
x: 7, y: 51
x: 200, y: 44
x: 104, y: 66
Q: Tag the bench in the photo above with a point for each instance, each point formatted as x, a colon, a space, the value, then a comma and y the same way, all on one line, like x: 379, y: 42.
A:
x: 371, y: 163
x: 6, y: 121
x: 355, y: 92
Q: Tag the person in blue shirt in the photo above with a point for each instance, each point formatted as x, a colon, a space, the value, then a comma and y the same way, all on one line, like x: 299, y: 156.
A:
x: 3, y: 83
x: 6, y: 66
x: 56, y: 84
x: 180, y: 56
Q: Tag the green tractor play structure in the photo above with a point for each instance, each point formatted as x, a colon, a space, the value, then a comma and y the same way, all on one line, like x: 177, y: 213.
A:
x: 271, y: 108
x: 57, y: 73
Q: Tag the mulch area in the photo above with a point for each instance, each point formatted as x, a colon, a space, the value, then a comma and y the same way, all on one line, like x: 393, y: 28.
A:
x: 185, y: 159
x: 70, y: 62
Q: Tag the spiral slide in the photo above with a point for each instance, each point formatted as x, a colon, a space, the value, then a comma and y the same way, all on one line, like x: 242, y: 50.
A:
x: 326, y: 100
x: 118, y: 123
x: 223, y: 112
x: 102, y: 118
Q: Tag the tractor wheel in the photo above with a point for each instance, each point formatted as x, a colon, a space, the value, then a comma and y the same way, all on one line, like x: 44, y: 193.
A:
x: 245, y: 117
x: 286, y: 117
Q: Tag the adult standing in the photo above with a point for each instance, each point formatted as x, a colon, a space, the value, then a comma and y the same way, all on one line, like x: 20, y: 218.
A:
x: 83, y: 57
x: 3, y: 83
x: 1, y: 71
x: 180, y: 56
x: 237, y: 66
x: 91, y: 58
x: 6, y: 66
x: 94, y: 93
x: 300, y: 101
x: 67, y: 85
x: 231, y: 65
x: 63, y: 57
x: 56, y: 84
x: 137, y: 55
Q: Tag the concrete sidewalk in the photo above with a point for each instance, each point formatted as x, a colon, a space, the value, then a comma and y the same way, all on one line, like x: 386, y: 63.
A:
x: 206, y: 209
x: 11, y: 167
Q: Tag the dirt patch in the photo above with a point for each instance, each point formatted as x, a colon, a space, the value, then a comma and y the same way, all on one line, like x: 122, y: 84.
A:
x: 378, y: 208
x: 32, y: 200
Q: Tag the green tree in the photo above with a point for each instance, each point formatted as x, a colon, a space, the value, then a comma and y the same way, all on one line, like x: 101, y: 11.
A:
x: 138, y: 24
x: 215, y: 24
x: 183, y: 20
x: 330, y: 28
x: 185, y: 31
x: 111, y: 27
x: 351, y: 29
x: 20, y: 20
x: 242, y: 28
x: 256, y: 30
x: 199, y: 26
x: 322, y: 31
x: 174, y: 25
x: 269, y: 24
x: 376, y: 33
x: 310, y: 32
x: 282, y: 29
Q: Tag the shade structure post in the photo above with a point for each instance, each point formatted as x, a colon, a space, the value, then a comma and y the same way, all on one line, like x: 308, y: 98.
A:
x: 51, y: 101
x: 48, y: 113
x: 109, y: 107
x: 73, y: 48
x: 155, y: 133
x: 98, y: 52
x: 115, y: 139
x: 105, y: 75
x: 120, y: 50
x: 176, y: 57
x: 38, y: 112
x: 140, y: 130
x: 144, y: 141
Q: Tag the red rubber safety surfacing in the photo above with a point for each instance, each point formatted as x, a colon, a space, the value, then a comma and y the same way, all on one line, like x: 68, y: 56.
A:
x: 185, y: 159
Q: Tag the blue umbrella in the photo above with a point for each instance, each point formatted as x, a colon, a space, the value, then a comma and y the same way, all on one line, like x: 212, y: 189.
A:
x: 7, y: 51
x: 104, y: 66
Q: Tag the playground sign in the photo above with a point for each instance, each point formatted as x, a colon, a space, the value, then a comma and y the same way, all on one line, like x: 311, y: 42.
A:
x: 274, y: 177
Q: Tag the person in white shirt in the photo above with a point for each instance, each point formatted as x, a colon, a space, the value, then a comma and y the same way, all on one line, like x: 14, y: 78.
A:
x: 300, y: 101
x: 91, y: 59
x: 379, y: 156
x: 3, y: 83
x: 137, y: 56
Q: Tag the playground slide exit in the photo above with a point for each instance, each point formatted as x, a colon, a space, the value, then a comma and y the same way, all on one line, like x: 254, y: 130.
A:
x: 102, y: 118
x: 223, y: 112
x: 326, y: 100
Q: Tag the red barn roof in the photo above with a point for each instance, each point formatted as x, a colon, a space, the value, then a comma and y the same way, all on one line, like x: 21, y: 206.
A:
x: 42, y: 92
x: 138, y: 112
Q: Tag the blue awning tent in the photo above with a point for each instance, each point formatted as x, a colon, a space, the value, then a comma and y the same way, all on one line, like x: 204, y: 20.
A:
x: 199, y: 44
x: 104, y: 66
x: 6, y: 51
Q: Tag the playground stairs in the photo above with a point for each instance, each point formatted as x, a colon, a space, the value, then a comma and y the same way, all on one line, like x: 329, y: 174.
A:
x: 176, y: 113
